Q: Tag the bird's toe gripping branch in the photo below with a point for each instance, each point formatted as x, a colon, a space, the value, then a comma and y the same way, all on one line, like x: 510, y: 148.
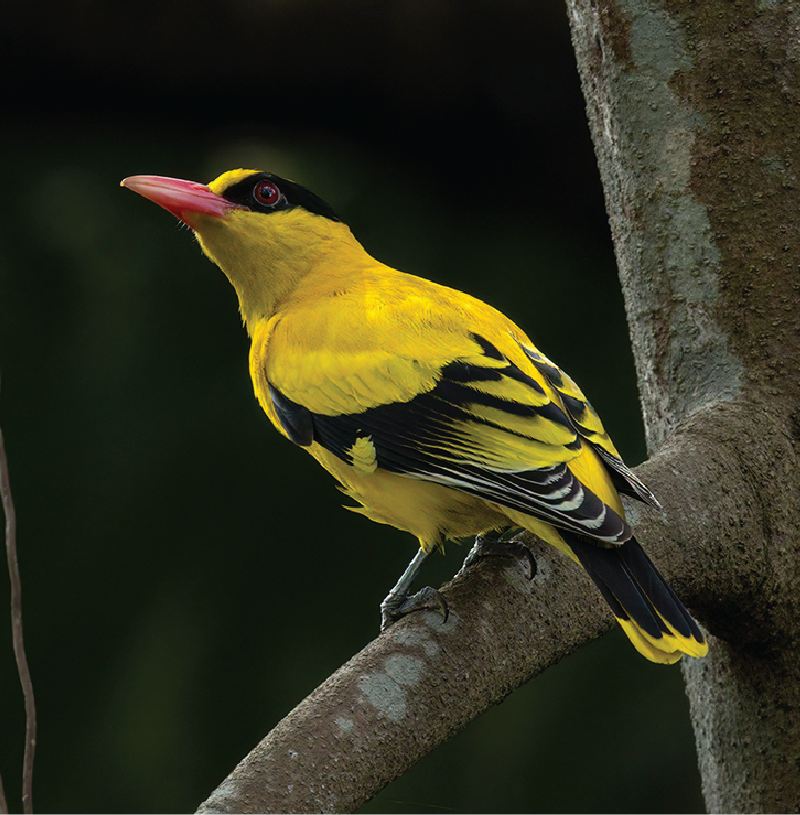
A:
x: 394, y: 607
x: 398, y: 603
x: 498, y: 544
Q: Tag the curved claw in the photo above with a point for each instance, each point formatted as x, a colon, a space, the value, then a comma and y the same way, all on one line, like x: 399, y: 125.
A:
x: 497, y: 546
x: 394, y: 608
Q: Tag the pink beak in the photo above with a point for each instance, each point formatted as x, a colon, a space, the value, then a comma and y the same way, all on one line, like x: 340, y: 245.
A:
x: 182, y: 198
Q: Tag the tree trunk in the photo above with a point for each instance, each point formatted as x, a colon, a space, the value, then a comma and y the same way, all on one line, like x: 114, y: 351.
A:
x: 694, y: 115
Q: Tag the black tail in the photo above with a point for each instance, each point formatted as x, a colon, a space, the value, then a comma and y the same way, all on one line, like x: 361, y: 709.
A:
x: 649, y: 611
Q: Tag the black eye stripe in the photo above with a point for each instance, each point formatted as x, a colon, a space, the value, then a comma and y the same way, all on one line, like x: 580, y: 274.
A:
x: 290, y: 194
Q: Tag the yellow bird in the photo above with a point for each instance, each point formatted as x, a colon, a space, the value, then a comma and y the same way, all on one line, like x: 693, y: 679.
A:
x: 432, y: 410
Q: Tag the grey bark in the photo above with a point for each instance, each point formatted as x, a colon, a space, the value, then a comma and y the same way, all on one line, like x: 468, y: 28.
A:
x: 694, y: 111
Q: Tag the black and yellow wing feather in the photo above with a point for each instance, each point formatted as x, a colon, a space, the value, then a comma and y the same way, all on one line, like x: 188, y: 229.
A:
x: 465, y: 435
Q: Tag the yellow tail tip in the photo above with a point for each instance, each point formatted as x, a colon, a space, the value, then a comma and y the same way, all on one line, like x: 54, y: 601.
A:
x: 666, y: 650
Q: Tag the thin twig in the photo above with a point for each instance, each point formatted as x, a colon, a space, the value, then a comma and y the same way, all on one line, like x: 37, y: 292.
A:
x: 16, y: 630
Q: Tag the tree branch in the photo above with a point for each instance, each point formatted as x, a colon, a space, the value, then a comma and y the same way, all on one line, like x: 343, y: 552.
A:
x: 415, y: 686
x: 422, y: 681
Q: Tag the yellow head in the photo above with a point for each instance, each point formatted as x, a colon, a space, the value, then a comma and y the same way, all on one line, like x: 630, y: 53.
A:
x: 265, y: 232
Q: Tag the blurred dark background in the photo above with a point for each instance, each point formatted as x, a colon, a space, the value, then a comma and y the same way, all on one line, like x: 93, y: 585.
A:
x: 188, y: 574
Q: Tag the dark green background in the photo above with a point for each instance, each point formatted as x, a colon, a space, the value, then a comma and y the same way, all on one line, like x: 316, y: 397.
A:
x: 189, y: 575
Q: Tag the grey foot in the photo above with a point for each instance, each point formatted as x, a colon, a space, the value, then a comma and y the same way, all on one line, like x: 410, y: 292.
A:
x: 397, y: 605
x: 494, y: 545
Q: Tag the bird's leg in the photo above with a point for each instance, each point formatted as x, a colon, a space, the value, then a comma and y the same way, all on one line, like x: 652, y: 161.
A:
x: 497, y: 542
x: 397, y: 603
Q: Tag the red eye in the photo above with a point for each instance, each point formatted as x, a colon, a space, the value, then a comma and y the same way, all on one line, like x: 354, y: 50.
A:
x: 266, y: 193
